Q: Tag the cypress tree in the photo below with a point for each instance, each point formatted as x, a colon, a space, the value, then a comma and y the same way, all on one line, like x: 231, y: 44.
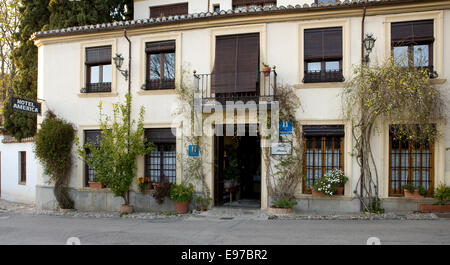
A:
x: 34, y: 15
x: 44, y: 15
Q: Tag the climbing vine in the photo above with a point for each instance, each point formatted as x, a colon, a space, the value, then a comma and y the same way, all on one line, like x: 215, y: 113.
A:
x: 193, y: 167
x: 401, y: 96
x: 284, y: 173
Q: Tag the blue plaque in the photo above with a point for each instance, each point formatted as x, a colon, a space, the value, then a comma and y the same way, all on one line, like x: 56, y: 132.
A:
x: 194, y: 150
x: 285, y: 127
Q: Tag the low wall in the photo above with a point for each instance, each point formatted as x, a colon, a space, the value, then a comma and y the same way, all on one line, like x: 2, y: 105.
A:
x: 340, y: 205
x: 101, y: 200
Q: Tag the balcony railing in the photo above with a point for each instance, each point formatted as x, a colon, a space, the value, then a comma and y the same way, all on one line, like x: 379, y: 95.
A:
x: 159, y: 84
x: 265, y: 89
x: 323, y: 76
x: 431, y: 72
x: 97, y: 88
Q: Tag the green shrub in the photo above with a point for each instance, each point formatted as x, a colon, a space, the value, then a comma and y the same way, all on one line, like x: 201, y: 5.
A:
x: 409, y: 187
x: 182, y: 192
x: 53, y: 148
x: 202, y: 201
x: 285, y: 203
x: 422, y: 190
x: 442, y: 194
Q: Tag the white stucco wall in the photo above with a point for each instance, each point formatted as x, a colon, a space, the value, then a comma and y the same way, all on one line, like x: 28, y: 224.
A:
x: 11, y: 190
x: 60, y: 69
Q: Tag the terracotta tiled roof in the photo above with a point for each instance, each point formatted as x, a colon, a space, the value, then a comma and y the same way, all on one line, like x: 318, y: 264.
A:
x: 216, y: 15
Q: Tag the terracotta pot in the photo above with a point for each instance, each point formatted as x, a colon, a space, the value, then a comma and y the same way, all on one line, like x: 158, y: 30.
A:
x: 317, y: 193
x: 182, y: 207
x: 266, y: 71
x: 95, y: 185
x: 413, y: 195
x: 281, y: 210
x: 431, y: 208
x: 339, y: 191
x: 126, y: 209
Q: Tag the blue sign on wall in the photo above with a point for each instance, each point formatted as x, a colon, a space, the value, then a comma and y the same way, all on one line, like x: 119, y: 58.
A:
x: 194, y: 150
x: 285, y: 127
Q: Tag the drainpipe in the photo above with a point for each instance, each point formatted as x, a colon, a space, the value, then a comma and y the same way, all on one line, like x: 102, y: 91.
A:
x: 129, y: 92
x: 363, y: 61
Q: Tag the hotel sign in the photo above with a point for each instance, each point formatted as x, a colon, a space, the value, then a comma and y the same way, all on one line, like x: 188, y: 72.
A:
x: 284, y: 148
x: 24, y: 105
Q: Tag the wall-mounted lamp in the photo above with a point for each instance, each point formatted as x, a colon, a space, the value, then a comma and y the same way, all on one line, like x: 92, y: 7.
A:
x: 118, y: 61
x: 369, y: 43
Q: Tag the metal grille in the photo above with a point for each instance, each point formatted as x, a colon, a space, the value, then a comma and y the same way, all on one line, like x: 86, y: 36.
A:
x: 410, y: 162
x: 323, y: 76
x: 97, y: 88
x: 161, y: 163
x: 322, y: 154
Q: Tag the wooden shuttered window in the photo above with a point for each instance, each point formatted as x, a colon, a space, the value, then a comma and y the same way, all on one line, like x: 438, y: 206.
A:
x: 98, y: 55
x: 236, y: 66
x: 90, y: 136
x: 98, y: 69
x: 23, y: 167
x: 160, y: 164
x: 323, y: 152
x: 323, y: 44
x: 169, y: 10
x: 160, y: 67
x: 412, y: 32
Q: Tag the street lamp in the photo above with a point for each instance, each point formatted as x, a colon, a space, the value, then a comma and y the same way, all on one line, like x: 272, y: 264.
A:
x: 369, y: 43
x: 118, y: 61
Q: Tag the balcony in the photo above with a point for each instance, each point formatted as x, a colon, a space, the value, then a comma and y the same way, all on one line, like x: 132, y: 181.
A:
x: 264, y: 89
x: 323, y: 76
x: 97, y: 88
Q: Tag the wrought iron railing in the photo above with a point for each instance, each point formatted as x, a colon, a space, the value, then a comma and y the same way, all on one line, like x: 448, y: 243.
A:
x: 265, y: 89
x: 323, y: 76
x: 97, y: 88
x: 159, y: 84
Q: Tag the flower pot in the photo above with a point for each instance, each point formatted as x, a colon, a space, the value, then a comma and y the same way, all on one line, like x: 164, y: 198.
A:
x: 266, y: 71
x: 95, y: 185
x: 340, y: 191
x: 155, y: 186
x: 415, y: 194
x: 431, y: 208
x: 182, y: 207
x: 281, y: 210
x: 126, y: 209
x: 317, y: 193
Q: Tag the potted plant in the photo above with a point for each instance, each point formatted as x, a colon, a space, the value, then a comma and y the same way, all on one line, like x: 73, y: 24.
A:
x: 284, y: 205
x: 95, y: 185
x: 161, y: 191
x: 442, y: 197
x: 324, y: 186
x: 143, y: 184
x: 337, y: 178
x: 410, y: 191
x: 266, y: 69
x: 202, y: 202
x: 181, y: 194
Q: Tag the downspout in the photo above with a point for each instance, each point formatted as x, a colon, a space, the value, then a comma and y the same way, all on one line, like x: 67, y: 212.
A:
x: 129, y: 94
x: 363, y: 61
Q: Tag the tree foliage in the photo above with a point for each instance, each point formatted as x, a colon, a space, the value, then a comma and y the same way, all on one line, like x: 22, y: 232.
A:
x: 53, y: 148
x: 33, y: 16
x: 114, y: 156
x: 398, y: 95
x: 65, y: 13
x: 41, y: 15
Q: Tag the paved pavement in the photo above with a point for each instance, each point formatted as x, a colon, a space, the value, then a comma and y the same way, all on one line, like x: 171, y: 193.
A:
x: 23, y: 228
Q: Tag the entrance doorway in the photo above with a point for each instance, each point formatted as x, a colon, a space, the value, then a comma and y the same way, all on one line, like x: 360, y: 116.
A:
x: 237, y: 171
